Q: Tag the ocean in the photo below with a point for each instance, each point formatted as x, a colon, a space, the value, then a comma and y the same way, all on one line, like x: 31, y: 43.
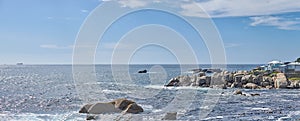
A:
x: 56, y: 92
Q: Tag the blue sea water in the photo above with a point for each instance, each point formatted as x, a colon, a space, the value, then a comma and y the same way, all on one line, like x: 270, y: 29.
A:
x: 50, y: 92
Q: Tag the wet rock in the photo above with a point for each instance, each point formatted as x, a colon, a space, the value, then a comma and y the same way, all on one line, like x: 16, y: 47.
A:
x: 134, y: 108
x: 255, y: 94
x: 91, y: 117
x: 237, y: 92
x: 236, y: 85
x: 85, y: 108
x: 269, y: 87
x: 170, y: 116
x: 122, y: 103
x: 173, y: 82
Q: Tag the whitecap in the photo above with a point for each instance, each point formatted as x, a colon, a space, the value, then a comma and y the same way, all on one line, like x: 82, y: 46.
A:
x: 261, y: 109
x: 211, y: 118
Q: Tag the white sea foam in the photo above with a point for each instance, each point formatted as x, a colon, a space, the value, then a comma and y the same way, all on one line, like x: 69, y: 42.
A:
x: 262, y: 109
x: 112, y: 91
x: 211, y: 118
x: 39, y: 117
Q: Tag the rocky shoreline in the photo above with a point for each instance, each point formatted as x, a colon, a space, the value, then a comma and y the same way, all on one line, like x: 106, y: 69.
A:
x: 254, y: 79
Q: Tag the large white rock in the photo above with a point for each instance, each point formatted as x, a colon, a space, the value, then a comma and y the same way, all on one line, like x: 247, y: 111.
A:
x: 102, y: 108
x: 281, y: 81
x: 116, y: 106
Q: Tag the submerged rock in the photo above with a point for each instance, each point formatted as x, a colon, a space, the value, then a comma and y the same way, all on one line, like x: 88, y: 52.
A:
x: 170, y: 116
x: 255, y: 94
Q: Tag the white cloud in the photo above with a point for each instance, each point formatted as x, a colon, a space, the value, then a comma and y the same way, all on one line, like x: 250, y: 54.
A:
x: 222, y: 8
x: 134, y: 3
x: 52, y: 46
x: 278, y: 22
x: 84, y: 11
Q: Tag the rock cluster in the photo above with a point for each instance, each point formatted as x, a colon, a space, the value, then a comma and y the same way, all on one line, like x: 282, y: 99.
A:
x: 240, y: 79
x: 116, y: 106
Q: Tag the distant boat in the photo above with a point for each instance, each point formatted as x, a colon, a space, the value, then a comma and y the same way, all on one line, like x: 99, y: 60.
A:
x: 19, y: 64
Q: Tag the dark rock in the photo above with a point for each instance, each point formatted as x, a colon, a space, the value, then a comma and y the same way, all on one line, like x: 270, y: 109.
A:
x: 201, y: 74
x: 91, y: 118
x: 134, y: 108
x: 173, y: 82
x: 201, y: 81
x: 85, y: 108
x: 238, y: 78
x: 143, y: 71
x: 255, y: 94
x: 122, y: 103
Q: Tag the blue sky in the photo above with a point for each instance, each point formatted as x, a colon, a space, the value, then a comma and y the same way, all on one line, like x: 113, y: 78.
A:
x: 253, y: 31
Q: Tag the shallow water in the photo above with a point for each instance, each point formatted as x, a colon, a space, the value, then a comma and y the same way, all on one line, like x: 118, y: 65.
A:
x: 48, y: 92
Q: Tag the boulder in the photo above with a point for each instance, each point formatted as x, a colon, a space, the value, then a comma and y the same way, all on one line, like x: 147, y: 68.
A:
x: 91, y: 117
x: 116, y: 106
x: 280, y: 81
x: 85, y: 108
x: 237, y: 92
x: 172, y: 82
x: 250, y: 86
x: 170, y: 116
x: 201, y: 74
x: 133, y: 108
x: 257, y: 79
x: 201, y: 81
x: 247, y: 79
x: 184, y: 81
x: 264, y: 84
x: 194, y: 80
x: 103, y: 108
x: 208, y: 81
x: 217, y: 79
x: 122, y: 103
x: 238, y: 78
